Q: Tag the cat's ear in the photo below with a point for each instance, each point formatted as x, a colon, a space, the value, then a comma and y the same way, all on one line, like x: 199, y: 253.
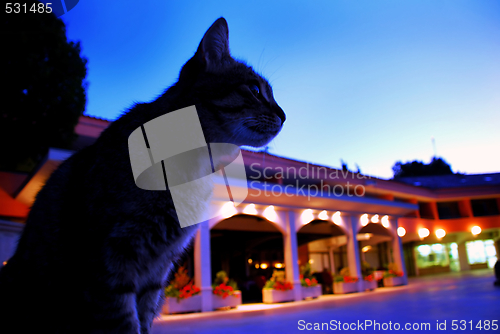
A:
x: 214, y: 47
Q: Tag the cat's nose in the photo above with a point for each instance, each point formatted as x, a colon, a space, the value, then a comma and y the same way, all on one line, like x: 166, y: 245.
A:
x: 281, y: 114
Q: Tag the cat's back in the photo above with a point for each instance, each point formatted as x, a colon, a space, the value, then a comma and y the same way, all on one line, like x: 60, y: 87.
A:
x: 42, y: 259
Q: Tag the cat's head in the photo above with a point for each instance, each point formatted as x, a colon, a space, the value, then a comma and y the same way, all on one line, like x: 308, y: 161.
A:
x: 234, y: 103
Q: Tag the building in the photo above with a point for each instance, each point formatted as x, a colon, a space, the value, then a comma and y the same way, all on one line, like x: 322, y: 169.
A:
x: 297, y: 213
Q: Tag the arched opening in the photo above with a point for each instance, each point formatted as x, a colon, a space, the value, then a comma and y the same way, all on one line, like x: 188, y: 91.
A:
x: 248, y: 248
x: 322, y: 245
x: 375, y: 248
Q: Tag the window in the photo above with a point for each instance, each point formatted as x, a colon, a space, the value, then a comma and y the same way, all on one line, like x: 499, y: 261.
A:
x: 448, y: 210
x: 425, y: 209
x: 432, y: 255
x: 481, y: 251
x: 484, y: 207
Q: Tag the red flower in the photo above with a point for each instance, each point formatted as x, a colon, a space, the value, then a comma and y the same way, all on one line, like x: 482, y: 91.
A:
x: 223, y: 290
x: 188, y: 291
x: 283, y: 286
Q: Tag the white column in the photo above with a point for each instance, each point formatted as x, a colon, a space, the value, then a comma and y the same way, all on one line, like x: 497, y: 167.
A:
x: 462, y: 257
x: 292, y: 255
x: 397, y: 251
x: 202, y: 265
x: 353, y: 251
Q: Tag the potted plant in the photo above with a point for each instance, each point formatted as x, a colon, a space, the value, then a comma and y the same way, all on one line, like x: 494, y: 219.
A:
x: 181, y: 294
x: 369, y: 281
x: 277, y: 289
x: 226, y: 293
x: 344, y: 282
x: 309, y: 284
x: 393, y: 277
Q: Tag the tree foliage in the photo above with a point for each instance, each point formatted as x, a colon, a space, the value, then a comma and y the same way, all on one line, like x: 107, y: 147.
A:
x: 44, y: 89
x: 437, y: 166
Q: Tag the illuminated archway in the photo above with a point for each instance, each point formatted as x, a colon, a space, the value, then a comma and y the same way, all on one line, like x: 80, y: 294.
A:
x: 375, y: 246
x: 247, y: 248
x: 322, y: 244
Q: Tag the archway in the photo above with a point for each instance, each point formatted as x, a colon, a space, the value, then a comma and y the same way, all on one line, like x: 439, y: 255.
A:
x: 322, y: 244
x: 375, y: 247
x: 247, y: 248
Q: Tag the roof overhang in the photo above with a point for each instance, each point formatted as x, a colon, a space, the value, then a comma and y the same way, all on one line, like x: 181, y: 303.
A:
x: 300, y: 198
x: 54, y: 158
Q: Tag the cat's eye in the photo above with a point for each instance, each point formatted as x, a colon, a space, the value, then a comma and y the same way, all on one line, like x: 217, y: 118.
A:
x: 254, y: 89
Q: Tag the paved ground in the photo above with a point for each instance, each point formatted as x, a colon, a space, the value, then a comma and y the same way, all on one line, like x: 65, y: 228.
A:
x: 467, y: 298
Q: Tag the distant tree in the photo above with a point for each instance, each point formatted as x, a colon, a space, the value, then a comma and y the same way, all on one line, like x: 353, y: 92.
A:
x: 358, y: 169
x: 43, y: 91
x: 437, y: 166
x: 344, y: 165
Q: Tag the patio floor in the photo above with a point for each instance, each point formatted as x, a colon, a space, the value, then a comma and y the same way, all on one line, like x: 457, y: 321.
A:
x: 427, y: 302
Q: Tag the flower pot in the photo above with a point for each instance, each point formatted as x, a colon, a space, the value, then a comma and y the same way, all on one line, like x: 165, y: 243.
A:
x: 369, y: 285
x: 230, y: 301
x: 342, y: 287
x: 311, y: 291
x: 270, y: 296
x: 191, y: 304
x: 394, y: 281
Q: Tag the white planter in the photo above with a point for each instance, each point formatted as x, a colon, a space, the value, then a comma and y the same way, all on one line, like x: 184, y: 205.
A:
x: 342, y: 287
x: 230, y: 301
x: 191, y: 304
x: 311, y: 291
x: 270, y: 296
x: 367, y: 285
x: 394, y: 281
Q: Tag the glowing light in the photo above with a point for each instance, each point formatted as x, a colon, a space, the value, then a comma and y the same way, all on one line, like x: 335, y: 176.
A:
x: 401, y: 231
x: 424, y: 250
x: 440, y: 233
x: 423, y: 233
x: 437, y: 248
x: 278, y: 265
x: 323, y: 215
x: 307, y: 216
x: 256, y: 266
x: 263, y: 266
x: 311, y: 261
x: 4, y: 263
x: 476, y: 230
x: 250, y: 209
x: 250, y: 261
x: 385, y: 221
x: 366, y: 249
x: 270, y: 214
x: 364, y: 219
x: 336, y: 218
x: 228, y: 210
x: 375, y: 219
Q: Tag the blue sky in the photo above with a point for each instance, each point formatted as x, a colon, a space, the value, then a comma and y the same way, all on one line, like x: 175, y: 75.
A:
x: 369, y: 82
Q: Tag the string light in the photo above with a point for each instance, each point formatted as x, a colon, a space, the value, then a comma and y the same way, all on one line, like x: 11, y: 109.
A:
x: 323, y: 215
x: 270, y: 214
x: 364, y: 219
x: 250, y: 209
x: 423, y: 233
x: 336, y: 218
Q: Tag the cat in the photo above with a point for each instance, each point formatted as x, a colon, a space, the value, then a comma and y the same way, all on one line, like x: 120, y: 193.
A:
x: 96, y: 249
